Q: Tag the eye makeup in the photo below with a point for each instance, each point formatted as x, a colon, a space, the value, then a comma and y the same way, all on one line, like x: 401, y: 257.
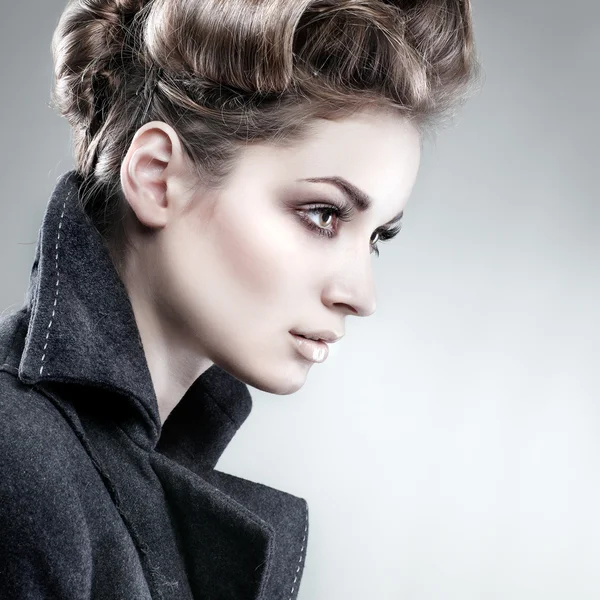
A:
x: 344, y: 213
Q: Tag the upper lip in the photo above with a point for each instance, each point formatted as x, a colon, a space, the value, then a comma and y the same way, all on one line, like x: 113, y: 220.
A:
x: 324, y: 335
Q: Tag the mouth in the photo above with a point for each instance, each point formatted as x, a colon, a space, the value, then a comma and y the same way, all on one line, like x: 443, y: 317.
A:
x: 312, y: 350
x: 311, y: 339
x: 299, y: 335
x: 328, y: 337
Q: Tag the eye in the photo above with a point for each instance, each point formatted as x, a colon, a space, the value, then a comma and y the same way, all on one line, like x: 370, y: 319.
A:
x: 342, y: 214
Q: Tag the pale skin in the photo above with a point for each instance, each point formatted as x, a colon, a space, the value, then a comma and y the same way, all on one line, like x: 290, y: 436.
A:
x: 223, y: 278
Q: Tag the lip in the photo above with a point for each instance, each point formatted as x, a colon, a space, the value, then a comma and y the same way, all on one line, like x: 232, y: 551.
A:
x: 324, y: 336
x: 310, y: 349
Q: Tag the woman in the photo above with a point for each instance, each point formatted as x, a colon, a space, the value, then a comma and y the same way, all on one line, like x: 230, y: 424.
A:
x: 237, y: 166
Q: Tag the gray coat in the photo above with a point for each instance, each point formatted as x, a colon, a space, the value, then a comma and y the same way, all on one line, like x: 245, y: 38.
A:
x: 97, y: 499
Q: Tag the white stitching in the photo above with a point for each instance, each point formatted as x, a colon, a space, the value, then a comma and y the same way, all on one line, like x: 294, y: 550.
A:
x: 301, y: 550
x: 57, y: 280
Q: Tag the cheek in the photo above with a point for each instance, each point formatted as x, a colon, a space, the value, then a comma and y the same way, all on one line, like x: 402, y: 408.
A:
x: 241, y: 262
x: 236, y: 284
x: 249, y: 255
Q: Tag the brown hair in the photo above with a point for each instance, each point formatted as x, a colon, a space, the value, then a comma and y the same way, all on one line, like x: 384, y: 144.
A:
x: 234, y: 72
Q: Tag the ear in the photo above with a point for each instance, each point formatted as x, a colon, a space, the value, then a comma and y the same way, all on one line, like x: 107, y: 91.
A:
x: 154, y: 157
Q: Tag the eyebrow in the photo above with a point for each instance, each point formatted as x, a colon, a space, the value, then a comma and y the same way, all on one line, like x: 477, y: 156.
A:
x: 361, y: 201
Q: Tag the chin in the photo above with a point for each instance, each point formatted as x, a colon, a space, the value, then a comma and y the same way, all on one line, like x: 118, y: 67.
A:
x: 277, y: 381
x: 282, y: 388
x: 282, y: 384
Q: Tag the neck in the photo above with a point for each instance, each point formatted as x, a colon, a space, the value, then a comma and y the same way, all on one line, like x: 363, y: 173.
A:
x: 173, y: 361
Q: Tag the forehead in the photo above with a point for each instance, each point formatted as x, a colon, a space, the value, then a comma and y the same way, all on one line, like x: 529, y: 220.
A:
x: 376, y: 151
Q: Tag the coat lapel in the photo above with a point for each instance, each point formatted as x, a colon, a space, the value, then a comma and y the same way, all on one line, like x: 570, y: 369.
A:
x: 275, y: 525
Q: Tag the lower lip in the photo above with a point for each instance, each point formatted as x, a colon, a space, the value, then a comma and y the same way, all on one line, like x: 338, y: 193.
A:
x: 311, y: 349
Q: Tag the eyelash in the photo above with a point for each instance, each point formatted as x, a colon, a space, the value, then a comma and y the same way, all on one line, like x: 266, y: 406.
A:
x: 344, y: 213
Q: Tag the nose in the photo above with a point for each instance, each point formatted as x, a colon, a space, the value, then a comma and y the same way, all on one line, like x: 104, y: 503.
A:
x: 353, y: 289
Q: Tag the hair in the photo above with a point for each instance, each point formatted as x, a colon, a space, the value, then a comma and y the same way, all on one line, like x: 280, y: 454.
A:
x: 230, y: 73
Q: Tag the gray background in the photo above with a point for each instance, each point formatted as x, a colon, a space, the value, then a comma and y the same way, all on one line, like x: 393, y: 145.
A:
x: 450, y: 447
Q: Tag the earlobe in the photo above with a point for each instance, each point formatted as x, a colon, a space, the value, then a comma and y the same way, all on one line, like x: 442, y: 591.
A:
x: 145, y: 171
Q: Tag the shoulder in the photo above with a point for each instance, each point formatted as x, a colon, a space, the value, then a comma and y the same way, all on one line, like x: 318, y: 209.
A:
x: 45, y: 546
x: 37, y: 447
x: 31, y: 428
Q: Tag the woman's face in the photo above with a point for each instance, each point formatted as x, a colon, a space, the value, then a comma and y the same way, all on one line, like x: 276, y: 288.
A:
x: 233, y: 273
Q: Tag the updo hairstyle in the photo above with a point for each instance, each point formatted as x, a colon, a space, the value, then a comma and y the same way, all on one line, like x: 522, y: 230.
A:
x: 226, y: 73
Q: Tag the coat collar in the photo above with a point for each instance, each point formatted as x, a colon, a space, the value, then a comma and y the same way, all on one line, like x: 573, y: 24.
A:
x: 82, y: 330
x: 76, y: 337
